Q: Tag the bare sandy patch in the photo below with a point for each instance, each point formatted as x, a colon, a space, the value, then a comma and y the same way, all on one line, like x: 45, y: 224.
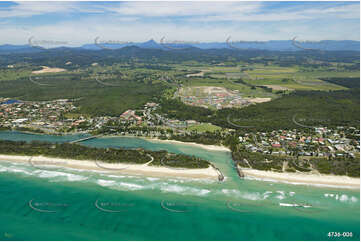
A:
x: 278, y: 88
x: 260, y: 99
x: 48, y: 70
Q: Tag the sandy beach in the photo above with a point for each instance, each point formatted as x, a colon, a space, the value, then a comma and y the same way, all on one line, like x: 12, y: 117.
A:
x: 305, y: 178
x: 207, y: 147
x: 130, y: 169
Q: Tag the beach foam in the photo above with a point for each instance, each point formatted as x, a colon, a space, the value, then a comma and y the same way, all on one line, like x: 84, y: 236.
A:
x: 184, y: 190
x: 341, y: 197
x: 294, y: 205
x: 58, y: 174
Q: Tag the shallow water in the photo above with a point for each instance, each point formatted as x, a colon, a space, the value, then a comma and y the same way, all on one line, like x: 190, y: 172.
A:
x: 69, y: 204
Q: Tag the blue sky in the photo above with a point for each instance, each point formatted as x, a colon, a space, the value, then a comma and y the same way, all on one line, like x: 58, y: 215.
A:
x: 81, y: 22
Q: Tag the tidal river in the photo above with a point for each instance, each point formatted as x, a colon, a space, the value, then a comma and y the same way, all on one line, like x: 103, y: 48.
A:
x: 68, y: 204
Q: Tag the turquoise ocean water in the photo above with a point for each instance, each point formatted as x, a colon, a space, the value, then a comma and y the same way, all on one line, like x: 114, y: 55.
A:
x: 66, y: 204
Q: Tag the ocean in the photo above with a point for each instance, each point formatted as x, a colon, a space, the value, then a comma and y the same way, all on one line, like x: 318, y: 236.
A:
x: 67, y: 204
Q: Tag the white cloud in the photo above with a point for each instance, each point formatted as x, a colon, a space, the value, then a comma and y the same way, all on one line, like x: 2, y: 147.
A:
x: 201, y: 21
x: 28, y: 9
x: 86, y: 30
x: 234, y: 11
x: 181, y: 9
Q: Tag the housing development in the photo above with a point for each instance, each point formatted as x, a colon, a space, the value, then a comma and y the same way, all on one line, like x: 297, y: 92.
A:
x: 179, y: 120
x: 59, y: 116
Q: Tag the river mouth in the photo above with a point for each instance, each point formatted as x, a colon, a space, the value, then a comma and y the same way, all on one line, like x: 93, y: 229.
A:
x: 121, y: 199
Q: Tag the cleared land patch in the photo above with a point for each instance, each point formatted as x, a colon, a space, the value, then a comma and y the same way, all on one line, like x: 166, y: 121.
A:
x: 216, y: 97
x: 48, y: 70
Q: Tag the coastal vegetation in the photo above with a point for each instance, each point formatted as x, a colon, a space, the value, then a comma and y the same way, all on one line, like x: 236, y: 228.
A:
x: 304, y: 90
x: 316, y: 108
x: 337, y: 166
x: 109, y: 155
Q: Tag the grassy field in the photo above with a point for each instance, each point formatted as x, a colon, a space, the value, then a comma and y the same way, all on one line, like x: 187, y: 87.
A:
x: 272, y: 76
x: 14, y: 74
x: 204, y: 128
x: 110, y: 90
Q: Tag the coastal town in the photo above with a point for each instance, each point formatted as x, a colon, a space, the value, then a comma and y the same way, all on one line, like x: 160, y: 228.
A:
x: 180, y: 120
x: 324, y: 142
x: 62, y: 116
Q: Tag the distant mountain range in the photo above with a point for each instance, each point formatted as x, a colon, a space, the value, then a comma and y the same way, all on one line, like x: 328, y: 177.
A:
x: 272, y: 45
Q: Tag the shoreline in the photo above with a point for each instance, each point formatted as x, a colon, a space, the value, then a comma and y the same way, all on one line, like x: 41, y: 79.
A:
x: 207, y: 147
x: 203, y: 146
x: 119, y: 168
x: 304, y: 178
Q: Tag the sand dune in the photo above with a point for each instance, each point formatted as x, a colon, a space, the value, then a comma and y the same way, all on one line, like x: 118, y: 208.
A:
x: 305, y: 178
x: 119, y: 168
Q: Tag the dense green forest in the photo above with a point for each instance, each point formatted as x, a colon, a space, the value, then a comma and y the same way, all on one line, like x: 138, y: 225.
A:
x: 141, y: 86
x: 350, y: 82
x: 110, y: 155
x: 207, y: 138
x: 92, y: 97
x: 131, y: 55
x: 308, y: 108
